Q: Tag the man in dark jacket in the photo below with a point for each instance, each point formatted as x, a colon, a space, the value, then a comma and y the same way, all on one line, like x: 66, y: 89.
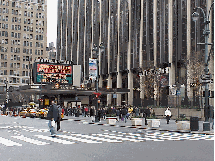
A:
x: 53, y: 114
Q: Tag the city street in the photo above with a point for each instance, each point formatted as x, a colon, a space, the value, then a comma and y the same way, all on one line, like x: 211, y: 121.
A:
x: 29, y: 139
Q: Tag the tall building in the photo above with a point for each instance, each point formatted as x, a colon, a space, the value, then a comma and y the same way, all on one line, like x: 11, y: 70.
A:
x: 148, y: 46
x: 23, y: 28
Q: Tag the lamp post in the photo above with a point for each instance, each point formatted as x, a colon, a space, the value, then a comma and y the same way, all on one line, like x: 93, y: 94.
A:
x: 195, y: 16
x: 6, y: 90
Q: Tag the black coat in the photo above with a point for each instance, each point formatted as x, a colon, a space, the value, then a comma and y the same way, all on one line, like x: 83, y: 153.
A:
x: 92, y: 113
x: 53, y: 113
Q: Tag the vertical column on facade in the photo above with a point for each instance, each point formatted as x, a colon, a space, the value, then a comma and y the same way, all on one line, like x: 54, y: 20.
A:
x: 189, y: 92
x: 156, y: 87
x: 211, y: 62
x: 119, y: 75
x: 92, y: 27
x: 59, y: 19
x: 85, y: 38
x: 64, y: 33
x: 79, y: 31
x: 130, y: 74
x: 108, y: 51
x: 170, y: 47
x: 69, y: 31
x: 74, y: 33
x: 100, y: 41
x: 141, y: 53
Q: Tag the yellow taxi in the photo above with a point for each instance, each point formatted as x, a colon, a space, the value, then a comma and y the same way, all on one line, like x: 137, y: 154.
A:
x: 23, y: 113
x: 42, y: 113
x: 31, y: 113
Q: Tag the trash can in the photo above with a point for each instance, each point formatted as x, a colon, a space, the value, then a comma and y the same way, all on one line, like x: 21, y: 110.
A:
x: 194, y: 123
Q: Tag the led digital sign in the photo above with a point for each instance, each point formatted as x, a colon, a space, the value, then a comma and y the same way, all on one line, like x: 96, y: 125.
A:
x: 50, y: 72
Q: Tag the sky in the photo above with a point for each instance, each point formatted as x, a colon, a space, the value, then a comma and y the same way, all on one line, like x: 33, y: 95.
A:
x: 51, y: 21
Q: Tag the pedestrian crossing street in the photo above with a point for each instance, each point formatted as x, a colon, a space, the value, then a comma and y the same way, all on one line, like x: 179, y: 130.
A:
x: 20, y: 135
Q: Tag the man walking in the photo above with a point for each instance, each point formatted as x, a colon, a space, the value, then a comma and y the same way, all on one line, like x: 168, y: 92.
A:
x: 53, y: 114
x: 168, y: 115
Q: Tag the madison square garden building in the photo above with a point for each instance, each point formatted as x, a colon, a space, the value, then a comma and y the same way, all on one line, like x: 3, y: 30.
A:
x: 147, y: 46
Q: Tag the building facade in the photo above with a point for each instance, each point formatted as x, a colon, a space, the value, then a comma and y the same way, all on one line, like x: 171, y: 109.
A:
x: 23, y: 28
x: 147, y: 46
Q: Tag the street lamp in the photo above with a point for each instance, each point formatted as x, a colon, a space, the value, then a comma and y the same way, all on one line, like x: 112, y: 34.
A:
x: 195, y: 16
x: 6, y: 102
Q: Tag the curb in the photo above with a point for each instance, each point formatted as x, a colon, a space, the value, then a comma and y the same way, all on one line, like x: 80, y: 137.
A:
x: 144, y: 128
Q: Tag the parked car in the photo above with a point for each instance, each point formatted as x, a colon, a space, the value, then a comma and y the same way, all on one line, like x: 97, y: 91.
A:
x: 31, y: 113
x: 23, y: 112
x: 42, y: 113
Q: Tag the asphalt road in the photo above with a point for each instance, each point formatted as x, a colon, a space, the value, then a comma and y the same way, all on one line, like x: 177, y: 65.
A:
x: 29, y: 139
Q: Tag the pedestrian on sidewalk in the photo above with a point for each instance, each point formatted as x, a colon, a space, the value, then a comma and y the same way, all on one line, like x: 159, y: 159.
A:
x: 117, y: 114
x: 92, y: 114
x: 53, y: 114
x: 124, y: 113
x: 59, y: 117
x: 168, y: 114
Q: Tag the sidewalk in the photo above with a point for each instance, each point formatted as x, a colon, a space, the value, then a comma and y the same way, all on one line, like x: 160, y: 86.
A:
x: 163, y: 125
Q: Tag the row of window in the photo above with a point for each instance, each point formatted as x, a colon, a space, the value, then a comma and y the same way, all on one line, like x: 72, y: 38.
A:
x: 15, y: 57
x: 38, y: 52
x: 4, y: 2
x: 27, y: 36
x: 13, y: 80
x: 4, y: 33
x: 3, y: 49
x: 16, y: 27
x: 3, y: 18
x: 16, y: 19
x: 15, y: 50
x: 3, y: 25
x: 16, y: 4
x: 40, y: 23
x: 28, y: 28
x: 29, y: 14
x: 3, y: 56
x: 15, y: 42
x: 39, y: 30
x: 39, y: 37
x: 15, y: 34
x: 38, y: 44
x: 39, y: 15
x: 4, y: 10
x: 27, y: 51
x: 28, y: 21
x: 16, y: 12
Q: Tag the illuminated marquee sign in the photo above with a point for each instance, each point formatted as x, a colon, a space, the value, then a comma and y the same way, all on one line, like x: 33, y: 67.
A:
x: 58, y: 73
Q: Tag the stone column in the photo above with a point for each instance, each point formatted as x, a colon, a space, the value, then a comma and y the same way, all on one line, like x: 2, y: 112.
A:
x: 141, y: 54
x: 119, y: 75
x: 108, y: 51
x: 189, y: 90
x: 130, y: 74
x: 156, y: 87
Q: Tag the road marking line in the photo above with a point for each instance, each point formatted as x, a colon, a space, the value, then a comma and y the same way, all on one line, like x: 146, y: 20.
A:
x: 29, y: 140
x: 54, y: 139
x: 8, y: 142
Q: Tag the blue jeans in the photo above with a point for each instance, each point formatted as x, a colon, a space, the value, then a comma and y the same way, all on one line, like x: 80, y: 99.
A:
x: 52, y: 129
x: 125, y: 118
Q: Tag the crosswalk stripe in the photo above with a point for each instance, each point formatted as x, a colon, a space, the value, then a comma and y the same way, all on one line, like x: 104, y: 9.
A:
x: 54, y: 139
x: 29, y: 140
x: 8, y: 142
x: 78, y: 139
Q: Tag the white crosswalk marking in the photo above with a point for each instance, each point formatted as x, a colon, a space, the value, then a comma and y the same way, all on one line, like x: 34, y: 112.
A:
x: 8, y: 142
x: 29, y: 140
x: 54, y: 139
x: 78, y: 139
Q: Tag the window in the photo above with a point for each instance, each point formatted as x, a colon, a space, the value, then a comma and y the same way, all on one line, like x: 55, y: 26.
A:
x: 11, y: 65
x: 11, y: 72
x: 23, y: 74
x: 18, y: 65
x: 23, y: 66
x: 11, y: 49
x: 30, y: 44
x: 5, y: 72
x: 5, y: 64
x: 23, y: 58
x: 41, y: 52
